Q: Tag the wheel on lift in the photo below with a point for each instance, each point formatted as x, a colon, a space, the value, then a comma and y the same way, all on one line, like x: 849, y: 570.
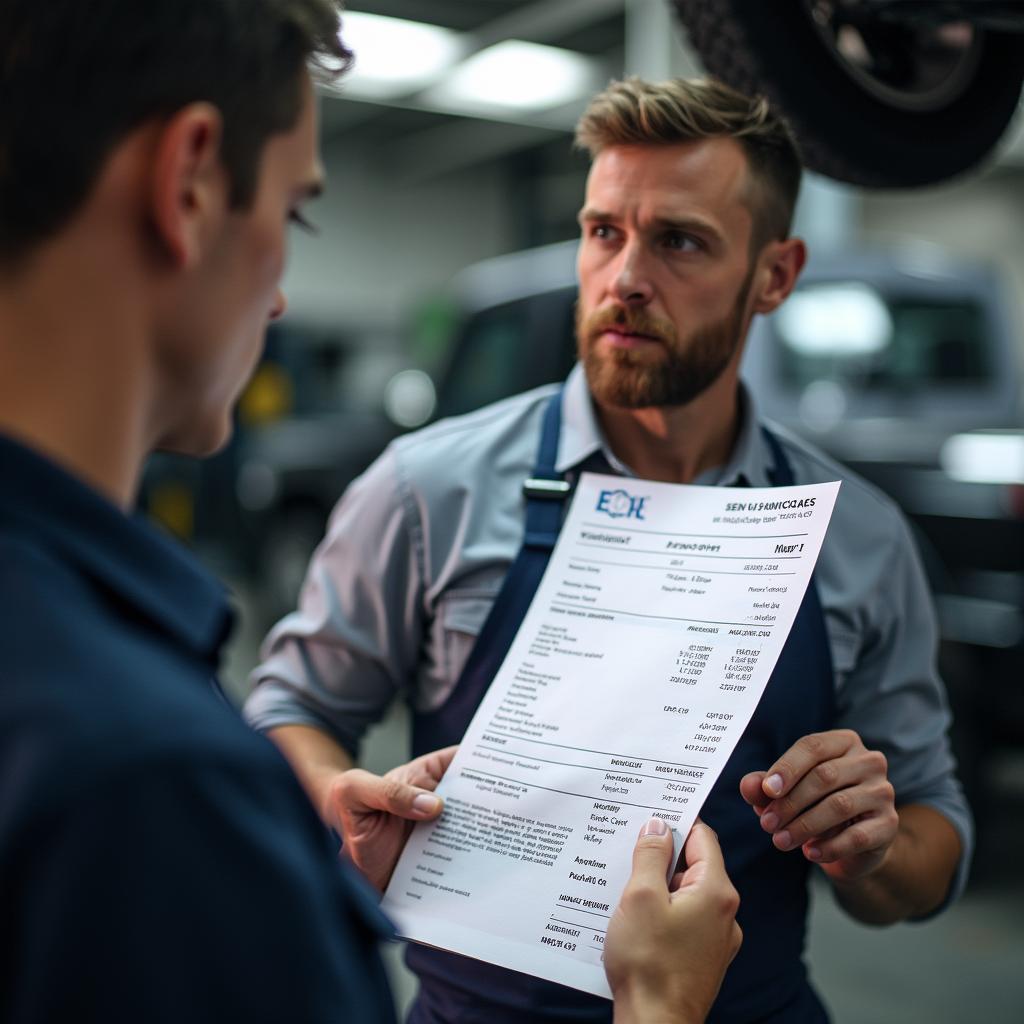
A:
x: 874, y: 100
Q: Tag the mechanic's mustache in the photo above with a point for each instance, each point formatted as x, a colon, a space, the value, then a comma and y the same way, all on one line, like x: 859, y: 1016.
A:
x: 633, y: 321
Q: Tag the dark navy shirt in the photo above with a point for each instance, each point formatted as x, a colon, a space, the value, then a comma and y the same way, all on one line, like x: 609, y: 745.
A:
x: 158, y: 861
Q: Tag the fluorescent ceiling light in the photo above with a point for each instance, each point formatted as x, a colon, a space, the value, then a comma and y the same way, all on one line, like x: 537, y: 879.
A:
x: 393, y: 55
x: 518, y: 76
x: 989, y: 457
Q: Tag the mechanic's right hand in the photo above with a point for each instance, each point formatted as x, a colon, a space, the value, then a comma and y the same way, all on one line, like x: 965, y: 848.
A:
x: 374, y: 814
x: 668, y: 946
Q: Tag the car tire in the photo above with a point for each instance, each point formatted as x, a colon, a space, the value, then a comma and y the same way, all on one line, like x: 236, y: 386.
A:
x: 846, y: 129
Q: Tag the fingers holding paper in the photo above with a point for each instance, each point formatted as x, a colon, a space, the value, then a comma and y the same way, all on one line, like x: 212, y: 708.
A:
x: 376, y: 813
x: 668, y: 946
x: 831, y: 797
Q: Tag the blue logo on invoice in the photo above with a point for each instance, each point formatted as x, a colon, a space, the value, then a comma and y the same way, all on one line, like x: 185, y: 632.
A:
x: 619, y: 504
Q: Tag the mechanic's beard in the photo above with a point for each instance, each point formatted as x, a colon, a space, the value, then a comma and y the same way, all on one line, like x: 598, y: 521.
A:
x: 677, y: 373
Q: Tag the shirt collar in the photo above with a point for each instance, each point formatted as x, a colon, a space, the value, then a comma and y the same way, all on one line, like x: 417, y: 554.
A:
x: 581, y: 438
x: 130, y: 560
x: 751, y: 461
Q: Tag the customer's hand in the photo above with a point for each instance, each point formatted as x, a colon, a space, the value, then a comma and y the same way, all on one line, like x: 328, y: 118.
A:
x: 668, y: 945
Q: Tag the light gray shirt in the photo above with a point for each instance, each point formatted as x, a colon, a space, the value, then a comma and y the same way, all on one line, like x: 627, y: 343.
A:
x: 417, y: 548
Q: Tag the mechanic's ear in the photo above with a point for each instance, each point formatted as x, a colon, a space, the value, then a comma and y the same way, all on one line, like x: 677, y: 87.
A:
x: 188, y: 187
x: 779, y: 266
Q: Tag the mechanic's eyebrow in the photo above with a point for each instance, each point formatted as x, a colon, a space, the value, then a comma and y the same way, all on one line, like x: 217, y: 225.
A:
x: 690, y: 226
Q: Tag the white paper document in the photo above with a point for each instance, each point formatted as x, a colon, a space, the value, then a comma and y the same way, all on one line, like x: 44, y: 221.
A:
x: 655, y: 630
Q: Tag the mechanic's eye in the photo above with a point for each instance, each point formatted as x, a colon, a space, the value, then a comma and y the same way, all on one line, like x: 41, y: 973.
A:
x: 680, y: 241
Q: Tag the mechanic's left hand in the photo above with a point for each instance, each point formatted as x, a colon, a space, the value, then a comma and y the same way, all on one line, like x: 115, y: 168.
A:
x: 829, y: 795
x: 376, y: 813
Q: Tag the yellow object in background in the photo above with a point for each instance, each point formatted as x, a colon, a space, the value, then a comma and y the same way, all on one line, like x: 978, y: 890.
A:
x: 172, y: 505
x: 268, y: 397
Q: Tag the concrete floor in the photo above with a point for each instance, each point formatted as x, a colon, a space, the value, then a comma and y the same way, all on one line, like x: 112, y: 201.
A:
x: 968, y: 965
x: 965, y: 966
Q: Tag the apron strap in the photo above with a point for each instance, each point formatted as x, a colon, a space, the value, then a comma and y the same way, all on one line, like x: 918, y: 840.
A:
x: 545, y: 492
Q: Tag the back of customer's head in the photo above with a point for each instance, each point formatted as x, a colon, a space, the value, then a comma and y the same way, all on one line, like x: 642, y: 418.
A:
x: 77, y: 76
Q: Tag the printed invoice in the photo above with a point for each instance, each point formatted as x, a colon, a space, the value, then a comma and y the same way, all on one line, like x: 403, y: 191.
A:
x: 654, y: 631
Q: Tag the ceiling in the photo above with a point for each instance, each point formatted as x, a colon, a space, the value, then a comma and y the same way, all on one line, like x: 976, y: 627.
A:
x: 416, y: 128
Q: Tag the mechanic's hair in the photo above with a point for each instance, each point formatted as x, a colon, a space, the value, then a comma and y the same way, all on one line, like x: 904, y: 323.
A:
x: 635, y: 112
x: 77, y: 76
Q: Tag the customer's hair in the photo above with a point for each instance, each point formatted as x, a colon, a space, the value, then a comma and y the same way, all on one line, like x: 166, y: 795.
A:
x: 77, y: 76
x: 635, y: 112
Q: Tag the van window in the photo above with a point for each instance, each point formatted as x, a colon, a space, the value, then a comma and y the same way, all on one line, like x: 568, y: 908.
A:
x: 508, y: 349
x: 858, y: 337
x: 484, y: 367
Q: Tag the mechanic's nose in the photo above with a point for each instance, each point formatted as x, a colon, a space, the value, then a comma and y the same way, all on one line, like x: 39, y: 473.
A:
x: 632, y: 284
x: 280, y: 305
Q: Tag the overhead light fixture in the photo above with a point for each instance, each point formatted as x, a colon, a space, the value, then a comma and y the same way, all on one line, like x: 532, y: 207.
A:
x: 394, y: 55
x: 515, y: 75
x: 985, y: 457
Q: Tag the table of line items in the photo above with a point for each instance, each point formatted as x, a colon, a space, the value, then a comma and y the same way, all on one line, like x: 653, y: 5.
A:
x: 656, y: 627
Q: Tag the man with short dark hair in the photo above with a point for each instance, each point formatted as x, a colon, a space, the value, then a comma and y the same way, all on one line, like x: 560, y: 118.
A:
x: 158, y: 861
x: 156, y: 864
x: 425, y: 571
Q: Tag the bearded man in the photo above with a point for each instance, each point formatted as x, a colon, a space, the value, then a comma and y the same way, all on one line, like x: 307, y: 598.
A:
x: 418, y: 587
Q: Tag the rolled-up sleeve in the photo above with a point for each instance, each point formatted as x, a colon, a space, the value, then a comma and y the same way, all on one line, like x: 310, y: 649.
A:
x: 894, y: 699
x: 337, y: 662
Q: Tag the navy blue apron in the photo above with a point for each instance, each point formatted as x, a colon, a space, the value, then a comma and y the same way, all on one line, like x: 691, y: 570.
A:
x: 767, y: 981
